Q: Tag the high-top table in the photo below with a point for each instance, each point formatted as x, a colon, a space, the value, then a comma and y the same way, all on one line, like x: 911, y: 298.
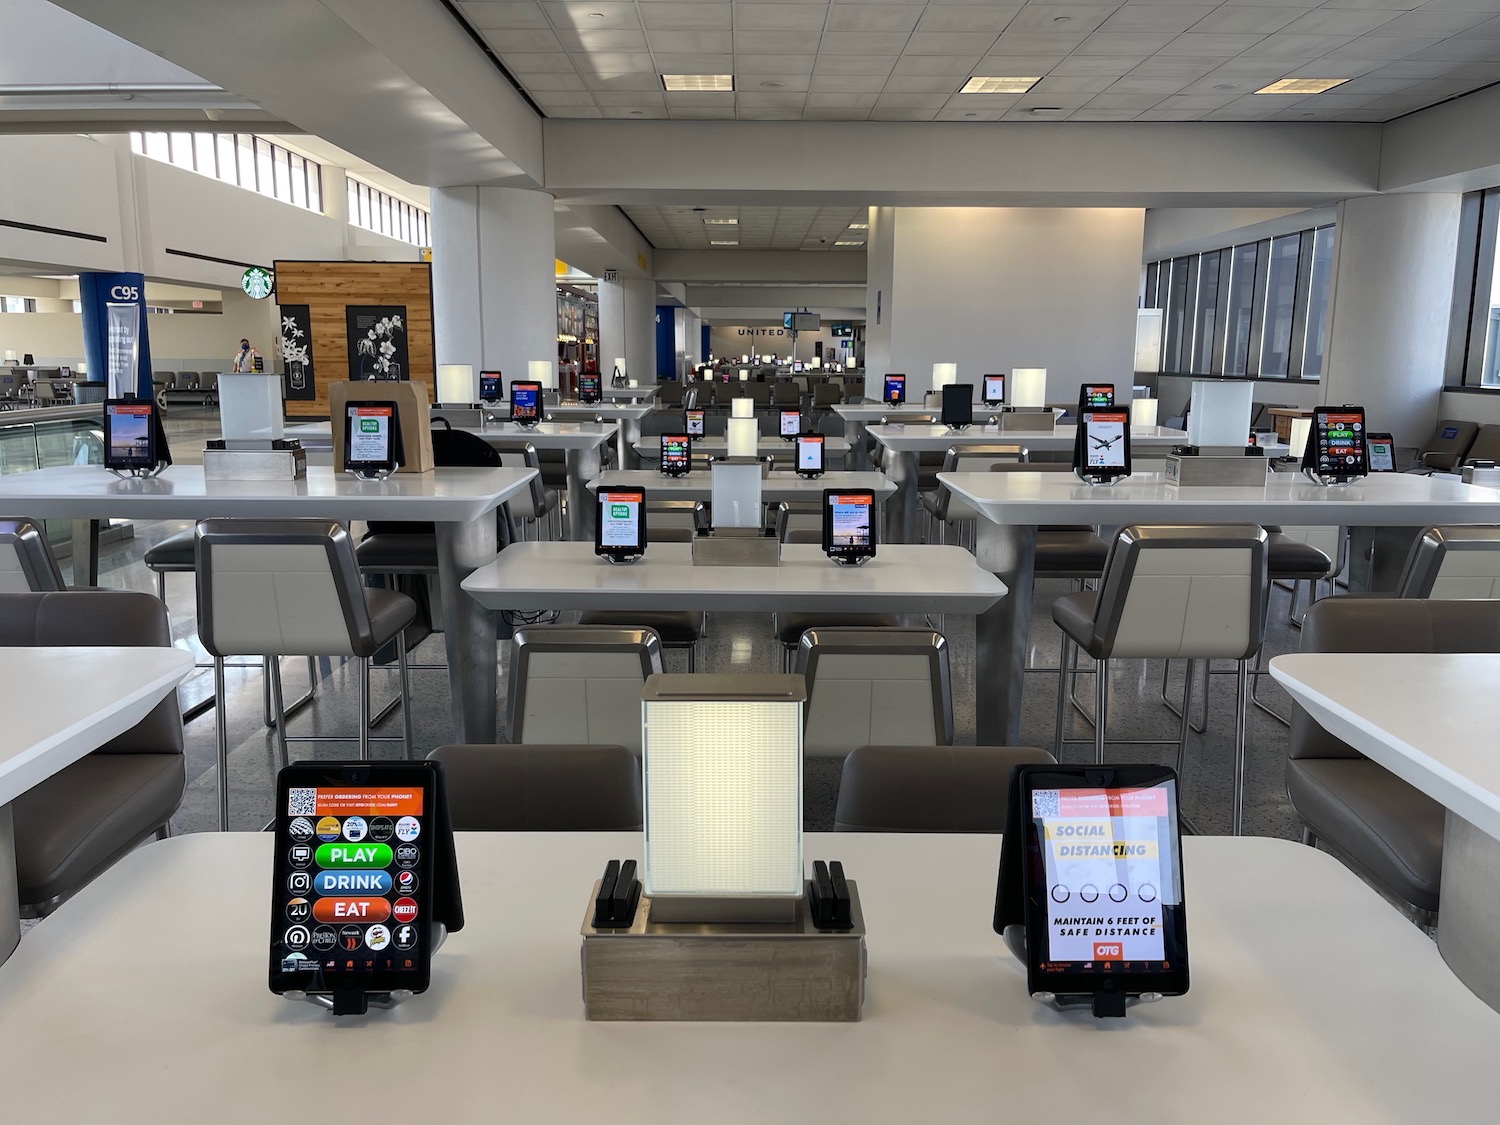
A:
x: 582, y: 444
x: 1012, y: 505
x: 775, y: 487
x: 858, y: 415
x: 904, y: 443
x: 625, y: 414
x: 643, y: 393
x: 1311, y: 1001
x: 61, y: 704
x: 1429, y: 718
x: 769, y: 445
x: 460, y: 502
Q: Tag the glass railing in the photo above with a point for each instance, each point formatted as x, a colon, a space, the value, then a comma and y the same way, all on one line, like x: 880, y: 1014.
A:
x: 26, y: 445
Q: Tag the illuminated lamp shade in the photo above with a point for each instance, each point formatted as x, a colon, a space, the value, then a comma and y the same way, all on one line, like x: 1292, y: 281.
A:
x: 455, y: 383
x: 1028, y: 387
x: 744, y: 375
x: 742, y: 436
x: 620, y: 365
x: 1297, y: 443
x: 83, y: 367
x: 742, y: 408
x: 943, y: 374
x: 10, y: 356
x: 1143, y: 412
x: 543, y: 371
x: 1220, y: 413
x: 723, y: 796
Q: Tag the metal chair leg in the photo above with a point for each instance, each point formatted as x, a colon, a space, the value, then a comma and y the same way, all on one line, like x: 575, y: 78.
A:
x: 1101, y: 707
x: 221, y: 743
x: 404, y: 671
x: 1182, y: 733
x: 277, y: 701
x: 364, y: 708
x: 1241, y: 697
x: 1309, y: 837
x: 1062, y: 697
x: 692, y: 658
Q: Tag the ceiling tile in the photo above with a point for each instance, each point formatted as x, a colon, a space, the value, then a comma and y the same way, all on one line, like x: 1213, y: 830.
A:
x: 848, y: 83
x: 634, y: 81
x: 1135, y: 102
x: 699, y: 99
x: 1072, y: 84
x: 858, y: 42
x: 913, y: 101
x: 981, y: 17
x: 1214, y: 43
x: 1097, y: 64
x: 1037, y: 43
x: 1162, y: 114
x: 900, y: 18
x: 576, y: 111
x: 1247, y: 19
x: 555, y: 98
x: 768, y: 113
x: 580, y: 14
x: 1089, y: 113
x: 854, y: 64
x: 779, y: 18
x: 774, y: 64
x: 1341, y: 21
x: 541, y: 83
x: 679, y: 16
x: 1427, y: 22
x: 1136, y: 43
x: 1171, y: 66
x: 949, y: 65
x: 1284, y: 44
x: 629, y: 112
x: 952, y: 113
x: 693, y: 64
x: 1131, y: 84
x: 487, y: 16
x: 831, y: 98
x: 1381, y: 47
x: 1072, y: 19
x: 1175, y: 18
x: 779, y: 43
x: 894, y: 113
x: 635, y: 98
x: 597, y: 62
x: 921, y: 83
x: 1198, y: 102
x: 947, y: 43
x: 1000, y: 65
x: 691, y: 42
x: 1458, y: 48
x: 834, y: 113
x: 1487, y: 30
x: 788, y: 83
x: 522, y: 65
x: 507, y: 42
x: 770, y: 99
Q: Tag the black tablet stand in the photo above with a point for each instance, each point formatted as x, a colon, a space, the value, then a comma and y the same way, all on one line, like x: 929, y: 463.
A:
x: 141, y: 473
x: 356, y: 1001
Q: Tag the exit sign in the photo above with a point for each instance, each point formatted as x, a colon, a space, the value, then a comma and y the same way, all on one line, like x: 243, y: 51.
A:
x: 611, y: 275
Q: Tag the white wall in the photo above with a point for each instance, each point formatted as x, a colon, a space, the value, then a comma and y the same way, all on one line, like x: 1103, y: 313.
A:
x: 993, y: 289
x: 740, y: 339
x: 627, y: 326
x: 880, y: 251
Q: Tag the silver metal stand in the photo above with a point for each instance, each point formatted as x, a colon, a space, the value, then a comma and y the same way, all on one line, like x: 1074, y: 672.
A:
x: 1001, y: 632
x: 583, y: 466
x: 468, y: 628
x: 901, y: 507
x: 10, y: 909
x: 1469, y: 925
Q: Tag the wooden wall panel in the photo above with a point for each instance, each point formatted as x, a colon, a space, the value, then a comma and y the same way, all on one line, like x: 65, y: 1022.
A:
x: 328, y: 287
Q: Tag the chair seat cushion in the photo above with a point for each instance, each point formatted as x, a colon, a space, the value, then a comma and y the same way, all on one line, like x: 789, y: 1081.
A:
x: 1074, y: 615
x: 1291, y: 558
x: 791, y: 626
x: 1388, y: 827
x: 392, y: 551
x: 1069, y: 553
x: 175, y: 552
x: 390, y: 612
x: 674, y: 626
x: 72, y: 826
x: 929, y: 788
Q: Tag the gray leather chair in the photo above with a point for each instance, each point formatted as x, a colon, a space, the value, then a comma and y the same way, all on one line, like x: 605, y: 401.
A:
x: 576, y: 685
x: 1384, y: 827
x: 790, y: 627
x: 929, y: 788
x: 1169, y: 592
x: 1449, y: 444
x: 1453, y: 563
x: 942, y: 505
x: 273, y: 588
x: 542, y: 788
x: 72, y: 826
x: 539, y: 504
x: 675, y: 628
x: 874, y: 686
x: 27, y: 564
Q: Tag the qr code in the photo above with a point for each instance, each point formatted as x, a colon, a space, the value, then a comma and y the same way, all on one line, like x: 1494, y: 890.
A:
x: 1044, y: 803
x: 302, y: 802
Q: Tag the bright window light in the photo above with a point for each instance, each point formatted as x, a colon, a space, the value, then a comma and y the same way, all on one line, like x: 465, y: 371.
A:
x: 697, y: 81
x: 998, y: 85
x: 1302, y: 86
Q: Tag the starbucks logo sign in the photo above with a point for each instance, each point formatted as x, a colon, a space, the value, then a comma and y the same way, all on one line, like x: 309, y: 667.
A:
x: 257, y: 283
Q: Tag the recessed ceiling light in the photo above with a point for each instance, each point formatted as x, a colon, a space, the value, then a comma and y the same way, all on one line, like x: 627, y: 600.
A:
x: 1302, y: 86
x: 1046, y: 110
x: 596, y: 15
x: 1062, y: 19
x: 697, y: 81
x: 849, y: 242
x: 998, y: 85
x: 859, y: 226
x: 723, y: 242
x: 1225, y: 86
x: 773, y: 85
x: 721, y: 222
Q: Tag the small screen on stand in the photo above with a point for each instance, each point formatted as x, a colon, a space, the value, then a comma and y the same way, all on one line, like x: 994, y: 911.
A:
x: 620, y: 529
x: 791, y: 423
x: 810, y: 455
x: 129, y: 439
x: 676, y: 454
x: 895, y: 390
x: 994, y: 389
x: 525, y: 402
x: 1094, y: 396
x: 848, y: 524
x: 1339, y: 437
x: 489, y: 386
x: 589, y: 389
x: 368, y: 437
x: 694, y: 419
x: 1382, y: 450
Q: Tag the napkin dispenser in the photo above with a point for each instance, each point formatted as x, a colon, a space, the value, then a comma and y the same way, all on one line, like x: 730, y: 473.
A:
x: 1197, y: 470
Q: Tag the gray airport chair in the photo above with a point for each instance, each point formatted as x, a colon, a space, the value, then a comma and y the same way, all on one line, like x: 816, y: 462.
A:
x: 1453, y: 563
x: 793, y: 526
x: 505, y: 788
x: 579, y: 684
x: 929, y: 788
x: 272, y: 588
x: 27, y: 564
x: 942, y: 505
x: 1446, y: 448
x: 874, y: 687
x: 675, y: 628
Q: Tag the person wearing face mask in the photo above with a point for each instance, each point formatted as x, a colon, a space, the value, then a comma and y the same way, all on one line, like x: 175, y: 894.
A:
x: 244, y: 359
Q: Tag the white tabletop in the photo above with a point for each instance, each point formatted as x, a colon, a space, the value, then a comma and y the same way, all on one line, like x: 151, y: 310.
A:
x: 923, y: 438
x: 1429, y: 718
x: 775, y: 487
x: 90, y: 492
x: 1311, y: 1001
x: 549, y: 435
x: 610, y: 411
x: 1381, y: 499
x: 642, y: 393
x: 769, y: 445
x: 899, y: 579
x: 875, y: 411
x: 63, y: 703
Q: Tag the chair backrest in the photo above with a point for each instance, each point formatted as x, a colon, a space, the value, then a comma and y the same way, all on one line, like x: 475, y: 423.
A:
x: 973, y: 459
x: 43, y: 391
x: 580, y: 684
x: 1448, y: 444
x: 1344, y: 624
x: 523, y: 505
x: 761, y: 393
x: 1453, y: 563
x: 280, y: 588
x: 459, y: 449
x: 929, y: 788
x: 1182, y: 591
x: 27, y: 564
x: 542, y: 788
x: 90, y: 618
x: 788, y: 393
x: 672, y: 393
x: 184, y: 381
x: 675, y: 515
x: 208, y: 380
x: 795, y: 518
x: 1486, y: 446
x: 827, y: 394
x: 874, y: 686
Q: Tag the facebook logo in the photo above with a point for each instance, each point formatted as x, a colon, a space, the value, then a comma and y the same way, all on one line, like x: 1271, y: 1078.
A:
x: 405, y: 937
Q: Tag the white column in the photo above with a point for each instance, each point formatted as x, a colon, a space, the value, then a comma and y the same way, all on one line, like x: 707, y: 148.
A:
x: 1393, y: 262
x: 494, y: 288
x: 627, y: 326
x: 880, y: 269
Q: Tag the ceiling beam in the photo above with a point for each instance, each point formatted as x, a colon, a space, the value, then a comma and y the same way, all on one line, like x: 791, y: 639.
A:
x: 845, y: 267
x: 774, y: 296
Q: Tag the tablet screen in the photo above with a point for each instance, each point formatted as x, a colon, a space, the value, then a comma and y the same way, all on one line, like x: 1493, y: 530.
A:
x: 1339, y: 441
x: 129, y: 441
x: 525, y: 402
x: 810, y: 453
x: 489, y: 386
x: 590, y: 390
x: 620, y: 530
x: 958, y: 404
x: 848, y: 530
x: 1382, y: 451
x: 695, y: 423
x: 1109, y: 858
x: 895, y: 389
x: 1092, y: 396
x: 368, y: 439
x: 994, y: 389
x: 676, y: 454
x: 791, y: 423
x: 1105, y: 433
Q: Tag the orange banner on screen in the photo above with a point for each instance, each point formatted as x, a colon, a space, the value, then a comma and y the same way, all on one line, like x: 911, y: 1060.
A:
x: 624, y: 497
x: 369, y: 802
x: 851, y: 499
x: 1112, y: 802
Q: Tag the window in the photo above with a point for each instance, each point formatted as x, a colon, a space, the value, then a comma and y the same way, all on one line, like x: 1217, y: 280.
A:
x: 243, y: 159
x: 373, y: 209
x: 1257, y: 310
x: 17, y: 304
x: 1474, y: 339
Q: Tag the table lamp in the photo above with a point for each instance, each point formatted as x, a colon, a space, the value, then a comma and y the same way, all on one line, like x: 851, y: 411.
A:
x: 1297, y: 442
x: 82, y: 367
x: 1220, y: 413
x: 744, y: 375
x: 723, y: 796
x: 743, y: 432
x: 10, y: 356
x: 1028, y: 387
x: 455, y: 384
x: 543, y: 371
x: 944, y: 374
x: 250, y: 409
x: 1143, y: 412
